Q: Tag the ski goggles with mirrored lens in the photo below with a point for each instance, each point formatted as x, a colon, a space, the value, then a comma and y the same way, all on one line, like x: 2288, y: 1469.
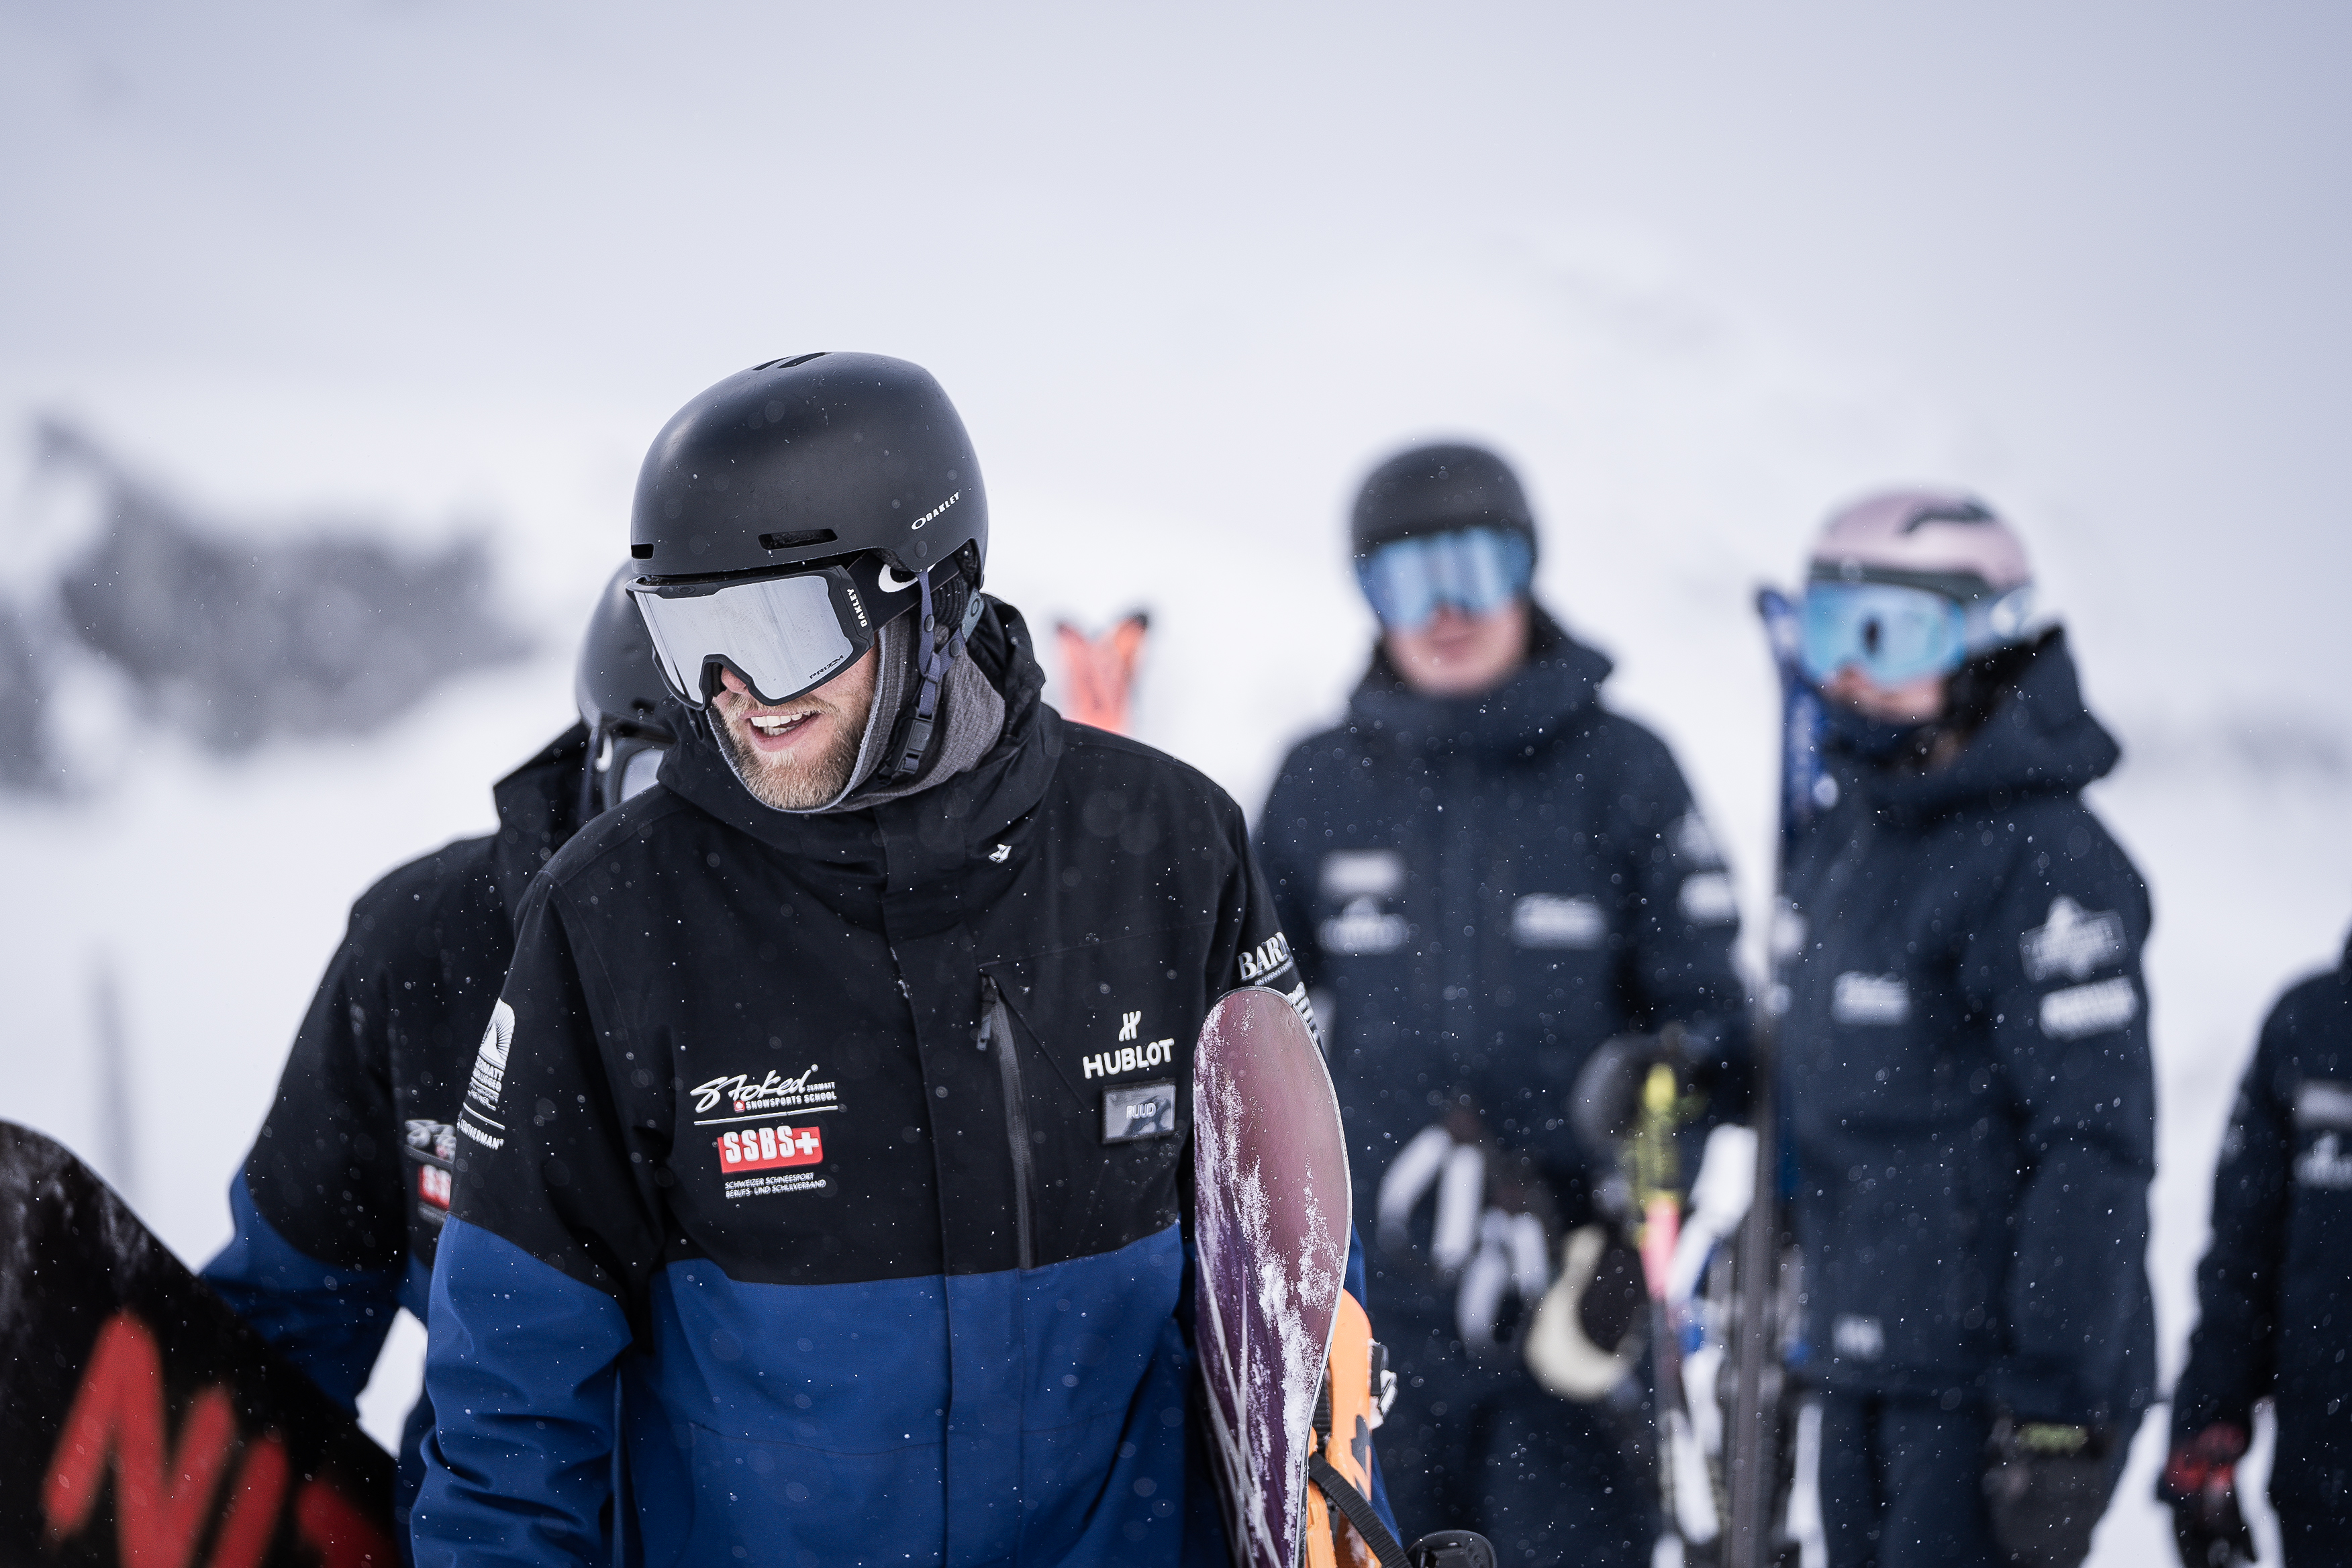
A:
x: 782, y: 636
x: 1477, y: 571
x: 1891, y: 634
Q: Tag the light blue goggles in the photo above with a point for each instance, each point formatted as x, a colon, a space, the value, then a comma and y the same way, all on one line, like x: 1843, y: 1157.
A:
x: 1895, y: 633
x: 1477, y: 571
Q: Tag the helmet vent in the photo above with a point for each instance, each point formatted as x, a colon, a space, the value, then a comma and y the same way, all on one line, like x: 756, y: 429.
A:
x: 641, y: 552
x: 1949, y: 512
x: 788, y: 363
x: 794, y: 541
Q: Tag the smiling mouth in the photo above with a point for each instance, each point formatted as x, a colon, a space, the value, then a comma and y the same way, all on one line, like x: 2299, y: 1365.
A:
x: 776, y: 726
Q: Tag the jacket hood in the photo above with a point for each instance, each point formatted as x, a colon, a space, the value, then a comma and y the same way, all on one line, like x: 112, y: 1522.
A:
x: 2040, y: 740
x: 944, y: 824
x: 1548, y: 695
x: 540, y: 805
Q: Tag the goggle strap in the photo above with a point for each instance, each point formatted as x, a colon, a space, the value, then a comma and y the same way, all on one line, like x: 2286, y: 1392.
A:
x: 937, y: 658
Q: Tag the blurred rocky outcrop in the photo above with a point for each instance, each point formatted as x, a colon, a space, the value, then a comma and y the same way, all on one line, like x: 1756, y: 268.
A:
x: 233, y: 637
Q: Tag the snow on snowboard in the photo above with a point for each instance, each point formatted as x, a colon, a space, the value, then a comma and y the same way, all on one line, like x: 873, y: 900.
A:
x: 1270, y: 1175
x: 141, y: 1420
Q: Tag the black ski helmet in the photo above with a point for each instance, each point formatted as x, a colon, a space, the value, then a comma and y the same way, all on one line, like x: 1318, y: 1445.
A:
x: 807, y: 460
x: 622, y: 699
x: 1437, y: 489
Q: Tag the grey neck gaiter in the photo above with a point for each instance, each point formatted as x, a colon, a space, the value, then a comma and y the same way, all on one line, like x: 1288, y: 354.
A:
x: 971, y: 712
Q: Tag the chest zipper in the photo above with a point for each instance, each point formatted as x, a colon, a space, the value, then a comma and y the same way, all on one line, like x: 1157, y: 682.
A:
x: 996, y: 1029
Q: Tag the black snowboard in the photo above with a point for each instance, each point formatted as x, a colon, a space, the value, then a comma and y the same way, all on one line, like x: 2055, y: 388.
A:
x: 141, y: 1421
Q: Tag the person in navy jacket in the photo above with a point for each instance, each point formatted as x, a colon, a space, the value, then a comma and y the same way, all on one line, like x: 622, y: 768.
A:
x: 1488, y: 874
x: 341, y: 1199
x: 824, y: 1178
x: 1965, y: 1056
x: 2274, y: 1294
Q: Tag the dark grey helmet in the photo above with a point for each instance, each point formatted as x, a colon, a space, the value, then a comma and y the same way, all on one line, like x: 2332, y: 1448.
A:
x: 622, y: 699
x: 1437, y: 489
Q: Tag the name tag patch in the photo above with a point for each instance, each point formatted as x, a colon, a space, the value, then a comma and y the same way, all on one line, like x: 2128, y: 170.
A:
x: 1139, y: 1110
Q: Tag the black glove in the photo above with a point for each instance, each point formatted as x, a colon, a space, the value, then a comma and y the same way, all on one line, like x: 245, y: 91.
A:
x: 2201, y: 1483
x: 2046, y: 1485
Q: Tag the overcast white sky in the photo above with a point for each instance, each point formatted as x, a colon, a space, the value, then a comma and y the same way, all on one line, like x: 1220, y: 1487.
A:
x: 2113, y: 237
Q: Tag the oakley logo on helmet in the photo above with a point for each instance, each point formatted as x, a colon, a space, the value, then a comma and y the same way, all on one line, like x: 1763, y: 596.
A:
x: 882, y: 579
x: 935, y: 511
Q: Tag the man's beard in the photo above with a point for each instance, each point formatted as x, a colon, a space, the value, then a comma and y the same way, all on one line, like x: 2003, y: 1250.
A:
x: 797, y: 783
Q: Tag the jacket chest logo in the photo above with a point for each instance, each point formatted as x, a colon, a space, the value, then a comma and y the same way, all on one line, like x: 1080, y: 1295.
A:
x: 1867, y: 1000
x: 1555, y: 920
x: 1360, y: 881
x: 739, y: 1096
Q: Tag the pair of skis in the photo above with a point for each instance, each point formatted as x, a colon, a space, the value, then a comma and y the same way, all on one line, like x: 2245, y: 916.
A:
x: 1719, y: 1281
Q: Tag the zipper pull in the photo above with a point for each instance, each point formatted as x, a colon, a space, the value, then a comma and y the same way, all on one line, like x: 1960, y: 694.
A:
x: 988, y: 1002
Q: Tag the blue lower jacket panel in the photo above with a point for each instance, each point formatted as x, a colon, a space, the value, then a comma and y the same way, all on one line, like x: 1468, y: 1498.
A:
x: 329, y: 1321
x: 1032, y: 1417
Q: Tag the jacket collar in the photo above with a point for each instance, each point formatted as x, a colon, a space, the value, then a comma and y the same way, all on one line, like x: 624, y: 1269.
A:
x: 1548, y: 695
x: 2041, y: 740
x: 921, y: 836
x: 540, y: 805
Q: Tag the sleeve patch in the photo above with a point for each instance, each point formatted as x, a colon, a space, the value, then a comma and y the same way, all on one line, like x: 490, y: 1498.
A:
x: 477, y: 1119
x: 2072, y: 943
x: 2080, y: 1010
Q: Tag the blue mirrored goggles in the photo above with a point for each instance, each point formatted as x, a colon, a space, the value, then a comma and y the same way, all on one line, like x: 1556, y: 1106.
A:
x: 1477, y: 570
x: 1895, y: 633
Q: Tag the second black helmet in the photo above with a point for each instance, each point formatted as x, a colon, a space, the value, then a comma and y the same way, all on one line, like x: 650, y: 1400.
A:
x: 1437, y: 489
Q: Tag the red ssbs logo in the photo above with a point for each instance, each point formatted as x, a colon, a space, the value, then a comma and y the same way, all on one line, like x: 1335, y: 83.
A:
x: 769, y: 1148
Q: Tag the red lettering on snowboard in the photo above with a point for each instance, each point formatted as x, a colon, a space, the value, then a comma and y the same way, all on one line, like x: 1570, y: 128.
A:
x: 160, y: 1509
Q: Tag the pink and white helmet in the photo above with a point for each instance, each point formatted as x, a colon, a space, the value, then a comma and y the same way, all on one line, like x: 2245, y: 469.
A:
x: 1945, y: 541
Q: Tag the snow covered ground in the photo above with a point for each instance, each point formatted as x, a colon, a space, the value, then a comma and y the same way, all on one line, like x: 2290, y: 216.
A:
x: 1177, y: 423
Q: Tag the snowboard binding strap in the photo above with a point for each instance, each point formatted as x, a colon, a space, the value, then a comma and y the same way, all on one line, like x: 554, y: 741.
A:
x: 1339, y: 1467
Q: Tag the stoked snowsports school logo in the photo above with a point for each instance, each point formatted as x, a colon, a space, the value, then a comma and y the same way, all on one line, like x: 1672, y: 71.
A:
x: 740, y: 1097
x: 477, y: 1118
x: 2072, y: 943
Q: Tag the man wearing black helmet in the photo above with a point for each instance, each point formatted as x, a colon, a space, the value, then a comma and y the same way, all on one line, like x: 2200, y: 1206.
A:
x: 823, y: 1179
x: 1489, y: 874
x: 341, y: 1202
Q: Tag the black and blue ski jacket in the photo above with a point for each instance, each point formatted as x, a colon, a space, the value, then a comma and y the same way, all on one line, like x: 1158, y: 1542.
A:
x: 2274, y: 1291
x: 1487, y: 888
x: 341, y: 1199
x: 826, y: 1177
x: 1965, y: 1060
